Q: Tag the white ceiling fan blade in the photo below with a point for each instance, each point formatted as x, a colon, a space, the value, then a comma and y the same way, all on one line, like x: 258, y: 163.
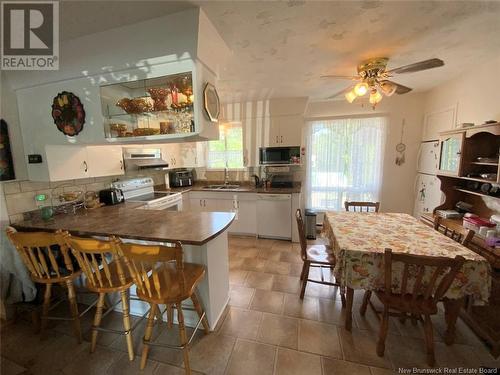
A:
x: 418, y: 66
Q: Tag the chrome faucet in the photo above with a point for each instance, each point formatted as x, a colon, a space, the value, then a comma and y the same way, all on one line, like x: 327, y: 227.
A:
x: 226, y: 175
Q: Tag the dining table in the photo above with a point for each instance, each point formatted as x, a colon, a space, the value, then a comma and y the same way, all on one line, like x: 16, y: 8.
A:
x: 359, y: 239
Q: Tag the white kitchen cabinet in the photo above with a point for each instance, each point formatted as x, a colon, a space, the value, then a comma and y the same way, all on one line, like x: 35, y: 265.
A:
x: 105, y: 161
x: 246, y: 219
x: 286, y: 130
x: 75, y: 162
x: 67, y: 162
x: 188, y: 155
x: 439, y: 121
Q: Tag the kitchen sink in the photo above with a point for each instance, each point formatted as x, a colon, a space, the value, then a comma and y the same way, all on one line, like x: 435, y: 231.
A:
x: 221, y: 187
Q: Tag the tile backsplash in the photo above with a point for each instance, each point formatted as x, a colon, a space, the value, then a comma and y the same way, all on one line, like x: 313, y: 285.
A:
x: 20, y: 195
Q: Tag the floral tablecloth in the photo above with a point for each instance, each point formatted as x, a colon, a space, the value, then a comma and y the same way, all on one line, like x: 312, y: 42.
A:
x: 359, y: 241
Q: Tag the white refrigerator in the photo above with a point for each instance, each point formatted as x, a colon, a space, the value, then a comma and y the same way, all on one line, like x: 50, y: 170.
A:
x: 427, y: 186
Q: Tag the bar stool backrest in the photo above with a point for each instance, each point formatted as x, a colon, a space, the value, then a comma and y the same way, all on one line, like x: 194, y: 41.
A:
x: 99, y: 261
x: 39, y: 252
x: 302, y: 234
x: 146, y: 264
x: 461, y: 235
x: 362, y: 206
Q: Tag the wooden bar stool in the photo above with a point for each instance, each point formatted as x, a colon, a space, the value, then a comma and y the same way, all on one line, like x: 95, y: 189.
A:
x: 318, y: 256
x: 170, y: 282
x: 41, y: 253
x: 422, y: 299
x: 105, y: 273
x: 362, y: 206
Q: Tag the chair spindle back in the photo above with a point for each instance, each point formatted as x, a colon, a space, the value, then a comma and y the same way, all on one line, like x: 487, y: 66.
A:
x: 39, y: 256
x: 445, y: 267
x: 462, y: 235
x: 302, y: 234
x: 148, y: 262
x: 362, y: 206
x: 98, y: 260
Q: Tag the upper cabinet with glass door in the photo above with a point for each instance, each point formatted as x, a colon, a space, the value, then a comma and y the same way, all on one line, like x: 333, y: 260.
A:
x: 451, y: 154
x: 160, y: 108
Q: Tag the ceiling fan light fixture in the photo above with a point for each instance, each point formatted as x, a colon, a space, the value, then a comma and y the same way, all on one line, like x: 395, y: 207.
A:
x: 361, y: 88
x: 388, y: 88
x: 350, y: 96
x: 375, y: 97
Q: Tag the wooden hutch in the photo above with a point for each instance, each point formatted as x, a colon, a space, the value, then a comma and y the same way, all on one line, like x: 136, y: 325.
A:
x: 469, y: 171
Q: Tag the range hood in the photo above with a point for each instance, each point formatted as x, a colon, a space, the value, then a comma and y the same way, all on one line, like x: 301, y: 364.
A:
x: 145, y: 158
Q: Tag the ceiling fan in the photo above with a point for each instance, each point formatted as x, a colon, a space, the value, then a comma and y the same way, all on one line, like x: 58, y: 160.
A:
x: 373, y: 78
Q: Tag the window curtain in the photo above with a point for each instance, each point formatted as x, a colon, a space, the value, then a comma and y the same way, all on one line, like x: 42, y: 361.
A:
x: 344, y: 161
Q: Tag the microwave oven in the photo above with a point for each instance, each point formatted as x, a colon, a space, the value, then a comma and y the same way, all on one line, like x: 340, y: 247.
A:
x: 279, y: 155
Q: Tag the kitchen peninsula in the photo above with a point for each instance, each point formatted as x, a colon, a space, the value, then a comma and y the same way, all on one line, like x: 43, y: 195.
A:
x: 202, y: 234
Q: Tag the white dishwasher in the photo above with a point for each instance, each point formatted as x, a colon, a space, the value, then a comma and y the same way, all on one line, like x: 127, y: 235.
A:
x: 274, y: 216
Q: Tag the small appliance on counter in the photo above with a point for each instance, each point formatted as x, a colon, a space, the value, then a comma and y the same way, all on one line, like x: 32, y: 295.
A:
x: 111, y: 196
x: 181, y: 178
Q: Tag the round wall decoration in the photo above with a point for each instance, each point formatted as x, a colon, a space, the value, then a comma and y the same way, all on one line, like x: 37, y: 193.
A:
x: 211, y: 102
x: 68, y: 113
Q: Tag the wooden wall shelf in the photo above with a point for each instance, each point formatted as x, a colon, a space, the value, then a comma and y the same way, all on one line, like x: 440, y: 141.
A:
x: 476, y: 193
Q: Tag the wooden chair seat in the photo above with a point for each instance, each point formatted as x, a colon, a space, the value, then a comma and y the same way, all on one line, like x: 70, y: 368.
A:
x: 113, y: 283
x: 170, y: 290
x: 407, y: 303
x: 321, y: 254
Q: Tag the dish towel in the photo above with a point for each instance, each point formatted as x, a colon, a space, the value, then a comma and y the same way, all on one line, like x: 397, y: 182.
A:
x: 15, y: 282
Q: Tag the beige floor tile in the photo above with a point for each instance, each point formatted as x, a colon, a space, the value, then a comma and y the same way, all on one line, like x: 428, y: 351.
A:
x: 321, y: 291
x: 485, y: 357
x: 370, y: 322
x: 306, y: 308
x: 282, y: 245
x: 295, y: 269
x: 56, y: 354
x: 270, y: 254
x: 360, y: 346
x: 279, y: 268
x: 250, y: 358
x: 241, y: 323
x: 290, y: 257
x: 339, y: 367
x: 236, y: 262
x: 463, y: 334
x: 211, y: 354
x: 248, y: 252
x: 279, y: 330
x: 254, y: 264
x: 86, y: 363
x: 287, y: 284
x: 164, y: 369
x: 263, y: 243
x: 259, y: 280
x: 240, y: 296
x: 331, y: 311
x: 7, y: 367
x: 170, y: 337
x: 112, y: 321
x: 268, y: 301
x: 319, y: 338
x: 242, y: 241
x: 455, y: 355
x: 123, y: 366
x: 237, y: 277
x: 382, y: 371
x: 291, y: 362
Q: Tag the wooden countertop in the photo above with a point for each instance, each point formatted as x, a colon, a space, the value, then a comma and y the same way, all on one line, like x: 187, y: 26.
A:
x: 126, y: 221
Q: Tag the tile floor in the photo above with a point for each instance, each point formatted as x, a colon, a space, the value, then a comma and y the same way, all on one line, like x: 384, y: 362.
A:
x: 267, y: 330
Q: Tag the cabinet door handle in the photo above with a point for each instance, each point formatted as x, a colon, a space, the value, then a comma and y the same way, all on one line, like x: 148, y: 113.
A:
x: 121, y: 165
x: 281, y: 139
x: 204, y: 203
x: 200, y: 203
x: 277, y: 141
x: 86, y: 166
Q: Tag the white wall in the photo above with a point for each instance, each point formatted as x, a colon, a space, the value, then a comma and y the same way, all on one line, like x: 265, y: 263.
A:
x: 475, y: 93
x: 397, y: 192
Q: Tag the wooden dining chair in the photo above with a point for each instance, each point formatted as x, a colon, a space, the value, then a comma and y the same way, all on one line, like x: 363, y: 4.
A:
x: 362, y: 206
x: 170, y: 282
x: 431, y: 278
x: 105, y: 273
x: 47, y: 258
x: 317, y: 256
x: 459, y: 234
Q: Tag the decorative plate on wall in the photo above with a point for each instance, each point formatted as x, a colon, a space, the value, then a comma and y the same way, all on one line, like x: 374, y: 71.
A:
x: 68, y: 113
x: 211, y: 102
